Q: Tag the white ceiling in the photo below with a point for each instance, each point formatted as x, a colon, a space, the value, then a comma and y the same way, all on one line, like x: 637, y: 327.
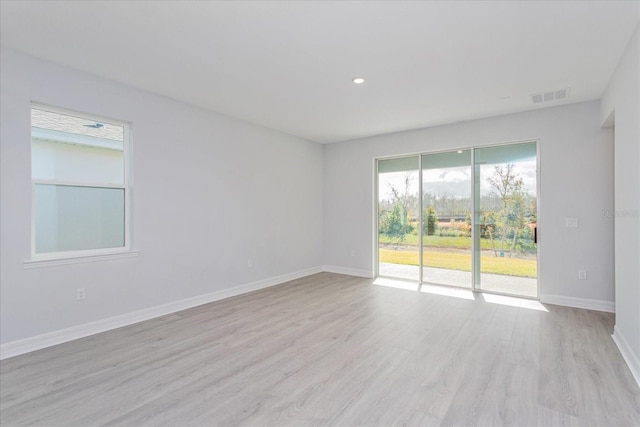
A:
x: 288, y: 65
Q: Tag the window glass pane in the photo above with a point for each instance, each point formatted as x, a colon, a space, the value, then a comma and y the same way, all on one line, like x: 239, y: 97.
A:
x: 514, y: 153
x: 78, y: 126
x: 398, y: 218
x: 76, y: 163
x: 69, y: 218
x: 68, y: 148
x: 446, y: 160
x: 506, y: 219
x: 446, y: 218
x: 398, y: 165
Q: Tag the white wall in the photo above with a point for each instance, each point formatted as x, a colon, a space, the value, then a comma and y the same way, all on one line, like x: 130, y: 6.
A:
x: 621, y: 104
x: 209, y: 192
x: 576, y: 181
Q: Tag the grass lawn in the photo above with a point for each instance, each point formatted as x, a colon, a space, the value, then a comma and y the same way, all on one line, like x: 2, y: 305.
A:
x: 439, y: 241
x: 454, y: 261
x: 435, y: 241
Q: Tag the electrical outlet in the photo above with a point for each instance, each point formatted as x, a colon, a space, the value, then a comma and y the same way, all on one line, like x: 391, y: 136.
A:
x: 582, y: 274
x: 250, y: 263
x: 571, y: 222
x: 81, y: 294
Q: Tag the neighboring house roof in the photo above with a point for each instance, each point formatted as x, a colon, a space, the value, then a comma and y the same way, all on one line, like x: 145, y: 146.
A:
x: 75, y: 125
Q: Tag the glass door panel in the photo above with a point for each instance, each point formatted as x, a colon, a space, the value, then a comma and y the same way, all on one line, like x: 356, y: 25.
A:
x: 398, y: 218
x: 446, y: 218
x: 505, y: 219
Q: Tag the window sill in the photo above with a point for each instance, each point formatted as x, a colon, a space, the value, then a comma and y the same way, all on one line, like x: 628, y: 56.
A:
x: 77, y: 259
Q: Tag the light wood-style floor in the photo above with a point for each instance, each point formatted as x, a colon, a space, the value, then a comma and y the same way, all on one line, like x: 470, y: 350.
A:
x: 336, y: 350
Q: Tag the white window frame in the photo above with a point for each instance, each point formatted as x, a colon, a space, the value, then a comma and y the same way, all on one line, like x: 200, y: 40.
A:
x: 86, y: 255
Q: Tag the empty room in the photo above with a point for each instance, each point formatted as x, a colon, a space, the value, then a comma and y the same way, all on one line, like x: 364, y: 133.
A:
x: 328, y: 213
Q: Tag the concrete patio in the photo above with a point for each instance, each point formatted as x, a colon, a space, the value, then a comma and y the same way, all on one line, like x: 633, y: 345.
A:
x: 512, y: 285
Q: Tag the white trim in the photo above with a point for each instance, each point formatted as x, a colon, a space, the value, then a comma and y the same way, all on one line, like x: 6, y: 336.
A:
x: 588, y: 304
x: 348, y: 271
x: 536, y: 231
x: 64, y: 257
x: 77, y: 259
x: 627, y: 353
x: 376, y: 218
x: 127, y: 184
x: 475, y: 193
x: 476, y: 223
x: 420, y: 220
x: 26, y: 345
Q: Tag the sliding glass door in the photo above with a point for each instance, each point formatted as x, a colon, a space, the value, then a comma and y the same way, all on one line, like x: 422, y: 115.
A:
x: 505, y: 223
x: 398, y: 218
x: 463, y: 218
x: 446, y: 218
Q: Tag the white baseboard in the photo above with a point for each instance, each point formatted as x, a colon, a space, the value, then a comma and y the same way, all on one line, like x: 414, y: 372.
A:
x: 26, y: 345
x: 589, y: 304
x: 627, y: 354
x: 347, y: 271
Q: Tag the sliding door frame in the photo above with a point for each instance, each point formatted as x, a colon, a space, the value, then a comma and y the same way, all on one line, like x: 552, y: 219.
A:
x: 475, y: 259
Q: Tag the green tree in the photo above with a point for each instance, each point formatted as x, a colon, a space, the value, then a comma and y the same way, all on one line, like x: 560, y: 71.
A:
x: 405, y: 197
x: 467, y: 221
x: 397, y: 224
x: 510, y: 220
x: 430, y: 221
x: 488, y: 228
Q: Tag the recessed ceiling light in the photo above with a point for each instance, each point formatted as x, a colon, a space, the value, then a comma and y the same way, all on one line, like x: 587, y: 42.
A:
x: 358, y: 80
x: 459, y: 151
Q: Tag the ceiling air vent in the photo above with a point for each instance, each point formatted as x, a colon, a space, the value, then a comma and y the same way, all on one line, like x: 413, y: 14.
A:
x: 557, y: 95
x: 562, y: 93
